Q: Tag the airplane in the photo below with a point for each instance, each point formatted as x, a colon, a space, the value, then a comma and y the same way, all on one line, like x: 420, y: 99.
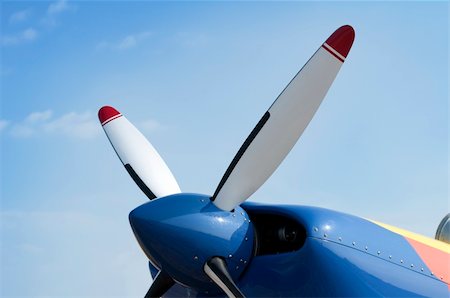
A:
x: 219, y: 245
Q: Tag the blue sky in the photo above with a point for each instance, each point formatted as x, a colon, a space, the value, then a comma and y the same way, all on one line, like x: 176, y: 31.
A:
x: 196, y: 77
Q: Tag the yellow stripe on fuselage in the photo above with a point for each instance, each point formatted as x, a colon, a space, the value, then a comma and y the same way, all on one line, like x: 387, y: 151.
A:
x: 419, y: 238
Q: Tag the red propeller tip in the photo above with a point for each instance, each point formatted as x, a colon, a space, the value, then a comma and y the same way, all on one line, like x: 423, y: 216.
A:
x: 342, y: 39
x: 107, y: 113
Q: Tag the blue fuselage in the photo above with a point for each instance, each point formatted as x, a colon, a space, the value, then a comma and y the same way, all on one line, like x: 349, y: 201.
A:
x: 278, y: 251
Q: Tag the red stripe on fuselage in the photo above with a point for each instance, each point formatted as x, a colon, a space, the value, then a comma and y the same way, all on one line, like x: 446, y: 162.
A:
x: 437, y: 260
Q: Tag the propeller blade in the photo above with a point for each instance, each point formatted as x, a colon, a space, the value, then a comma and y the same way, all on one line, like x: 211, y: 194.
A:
x: 216, y: 269
x: 140, y: 159
x: 161, y: 284
x: 282, y: 125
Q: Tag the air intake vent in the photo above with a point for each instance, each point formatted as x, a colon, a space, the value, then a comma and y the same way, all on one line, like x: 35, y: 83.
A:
x: 276, y: 234
x: 443, y: 231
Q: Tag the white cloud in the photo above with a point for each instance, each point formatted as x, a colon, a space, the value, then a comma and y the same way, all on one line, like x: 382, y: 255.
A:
x: 58, y: 7
x: 73, y: 124
x: 48, y: 19
x: 22, y: 131
x: 39, y: 116
x: 24, y: 36
x: 149, y: 125
x: 20, y: 16
x: 131, y: 41
x: 54, y: 10
x: 31, y: 124
x: 191, y: 40
x: 128, y: 42
x: 3, y: 124
x: 29, y: 34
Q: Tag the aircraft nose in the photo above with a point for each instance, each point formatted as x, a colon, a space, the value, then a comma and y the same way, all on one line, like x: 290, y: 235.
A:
x: 180, y: 233
x: 135, y: 217
x: 143, y: 229
x: 140, y: 219
x: 134, y: 220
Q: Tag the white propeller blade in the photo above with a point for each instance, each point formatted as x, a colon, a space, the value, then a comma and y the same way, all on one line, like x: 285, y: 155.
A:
x: 284, y: 122
x: 140, y: 159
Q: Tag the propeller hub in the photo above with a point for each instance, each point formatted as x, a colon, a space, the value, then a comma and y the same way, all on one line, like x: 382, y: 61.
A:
x: 180, y: 233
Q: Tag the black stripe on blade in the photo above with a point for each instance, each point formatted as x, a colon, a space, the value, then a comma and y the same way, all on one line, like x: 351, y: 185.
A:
x: 219, y: 268
x: 162, y: 283
x: 139, y: 182
x: 241, y: 152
